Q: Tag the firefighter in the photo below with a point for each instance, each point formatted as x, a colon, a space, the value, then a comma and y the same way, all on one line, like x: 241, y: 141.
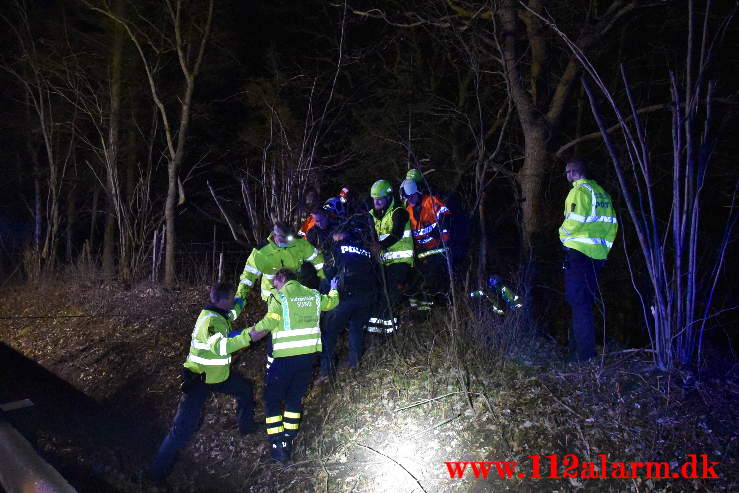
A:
x: 395, y: 246
x: 430, y: 219
x: 280, y: 250
x: 356, y: 271
x: 458, y: 222
x: 207, y: 370
x: 587, y: 234
x: 292, y: 319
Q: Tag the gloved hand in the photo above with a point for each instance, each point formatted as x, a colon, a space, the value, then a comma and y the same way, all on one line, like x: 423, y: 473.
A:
x: 235, y: 333
x: 239, y: 301
x: 334, y: 283
x: 257, y: 334
x: 190, y: 380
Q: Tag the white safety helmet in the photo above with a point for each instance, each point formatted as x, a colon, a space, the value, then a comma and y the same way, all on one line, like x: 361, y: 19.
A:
x: 408, y: 188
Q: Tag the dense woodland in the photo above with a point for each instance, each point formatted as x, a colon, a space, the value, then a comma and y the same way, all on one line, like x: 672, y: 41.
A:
x: 150, y: 144
x: 139, y: 135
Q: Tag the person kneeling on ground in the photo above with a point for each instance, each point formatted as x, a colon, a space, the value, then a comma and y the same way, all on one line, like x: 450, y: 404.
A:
x: 207, y: 370
x: 293, y: 320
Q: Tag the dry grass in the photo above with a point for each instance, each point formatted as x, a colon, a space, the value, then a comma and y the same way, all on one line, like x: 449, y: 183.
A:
x: 490, y: 390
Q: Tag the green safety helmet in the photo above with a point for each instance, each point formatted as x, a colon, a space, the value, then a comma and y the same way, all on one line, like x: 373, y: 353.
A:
x: 381, y: 189
x: 415, y: 175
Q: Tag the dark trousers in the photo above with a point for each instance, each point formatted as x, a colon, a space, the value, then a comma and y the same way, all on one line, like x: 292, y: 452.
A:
x: 352, y: 312
x: 581, y: 286
x: 188, y: 418
x: 286, y: 381
x: 432, y: 276
x: 395, y: 278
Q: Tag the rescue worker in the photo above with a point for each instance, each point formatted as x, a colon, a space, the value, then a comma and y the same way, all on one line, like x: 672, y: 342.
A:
x: 498, y: 295
x: 416, y: 175
x: 356, y: 271
x: 395, y: 246
x: 292, y: 319
x: 429, y: 218
x: 280, y: 250
x: 335, y: 207
x: 458, y: 222
x: 207, y: 370
x: 324, y: 222
x: 587, y: 234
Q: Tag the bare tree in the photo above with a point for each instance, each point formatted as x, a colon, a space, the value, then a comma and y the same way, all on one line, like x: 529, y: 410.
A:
x: 514, y: 43
x: 289, y: 156
x: 186, y: 34
x: 54, y: 125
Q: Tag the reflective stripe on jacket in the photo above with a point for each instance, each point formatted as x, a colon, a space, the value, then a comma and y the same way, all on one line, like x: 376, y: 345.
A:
x: 293, y: 318
x: 426, y: 229
x: 211, y: 348
x: 270, y: 258
x: 401, y: 250
x: 590, y: 223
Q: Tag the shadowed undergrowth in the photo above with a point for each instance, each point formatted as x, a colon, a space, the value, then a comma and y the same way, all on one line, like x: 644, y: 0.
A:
x: 488, y: 390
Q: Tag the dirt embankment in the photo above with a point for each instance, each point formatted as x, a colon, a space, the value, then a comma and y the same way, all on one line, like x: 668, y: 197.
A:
x: 430, y: 395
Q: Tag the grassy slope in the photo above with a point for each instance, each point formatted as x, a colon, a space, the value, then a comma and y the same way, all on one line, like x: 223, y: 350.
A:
x: 468, y: 403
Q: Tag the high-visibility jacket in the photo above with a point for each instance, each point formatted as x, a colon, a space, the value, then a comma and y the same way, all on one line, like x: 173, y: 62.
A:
x: 306, y: 226
x: 293, y: 319
x: 267, y: 259
x: 401, y: 250
x: 590, y: 223
x: 210, y: 347
x: 429, y: 237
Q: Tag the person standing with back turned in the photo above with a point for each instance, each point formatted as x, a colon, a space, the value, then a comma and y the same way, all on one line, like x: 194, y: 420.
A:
x: 587, y: 234
x: 293, y: 321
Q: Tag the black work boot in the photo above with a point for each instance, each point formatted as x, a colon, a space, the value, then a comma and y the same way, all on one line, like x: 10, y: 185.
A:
x: 287, y: 445
x: 279, y: 451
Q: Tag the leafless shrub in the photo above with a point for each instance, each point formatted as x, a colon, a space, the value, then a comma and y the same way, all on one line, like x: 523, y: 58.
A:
x: 676, y: 307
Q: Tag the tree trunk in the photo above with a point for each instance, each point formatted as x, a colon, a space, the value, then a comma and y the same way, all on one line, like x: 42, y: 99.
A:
x: 109, y: 240
x: 531, y: 179
x: 173, y: 184
x: 482, y: 264
x: 69, y: 230
x: 169, y: 219
x: 113, y: 184
x: 93, y: 217
x: 36, y: 208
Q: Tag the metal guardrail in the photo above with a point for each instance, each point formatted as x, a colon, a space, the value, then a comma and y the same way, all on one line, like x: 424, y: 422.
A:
x: 22, y: 470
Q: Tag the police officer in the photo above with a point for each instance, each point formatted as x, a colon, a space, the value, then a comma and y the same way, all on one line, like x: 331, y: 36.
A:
x: 292, y: 319
x: 207, y: 370
x: 393, y: 229
x: 356, y: 271
x: 587, y: 234
x: 280, y: 250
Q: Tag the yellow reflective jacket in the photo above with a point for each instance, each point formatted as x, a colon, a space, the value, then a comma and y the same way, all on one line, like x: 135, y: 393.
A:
x: 293, y: 318
x: 210, y: 347
x: 267, y: 259
x: 590, y: 223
